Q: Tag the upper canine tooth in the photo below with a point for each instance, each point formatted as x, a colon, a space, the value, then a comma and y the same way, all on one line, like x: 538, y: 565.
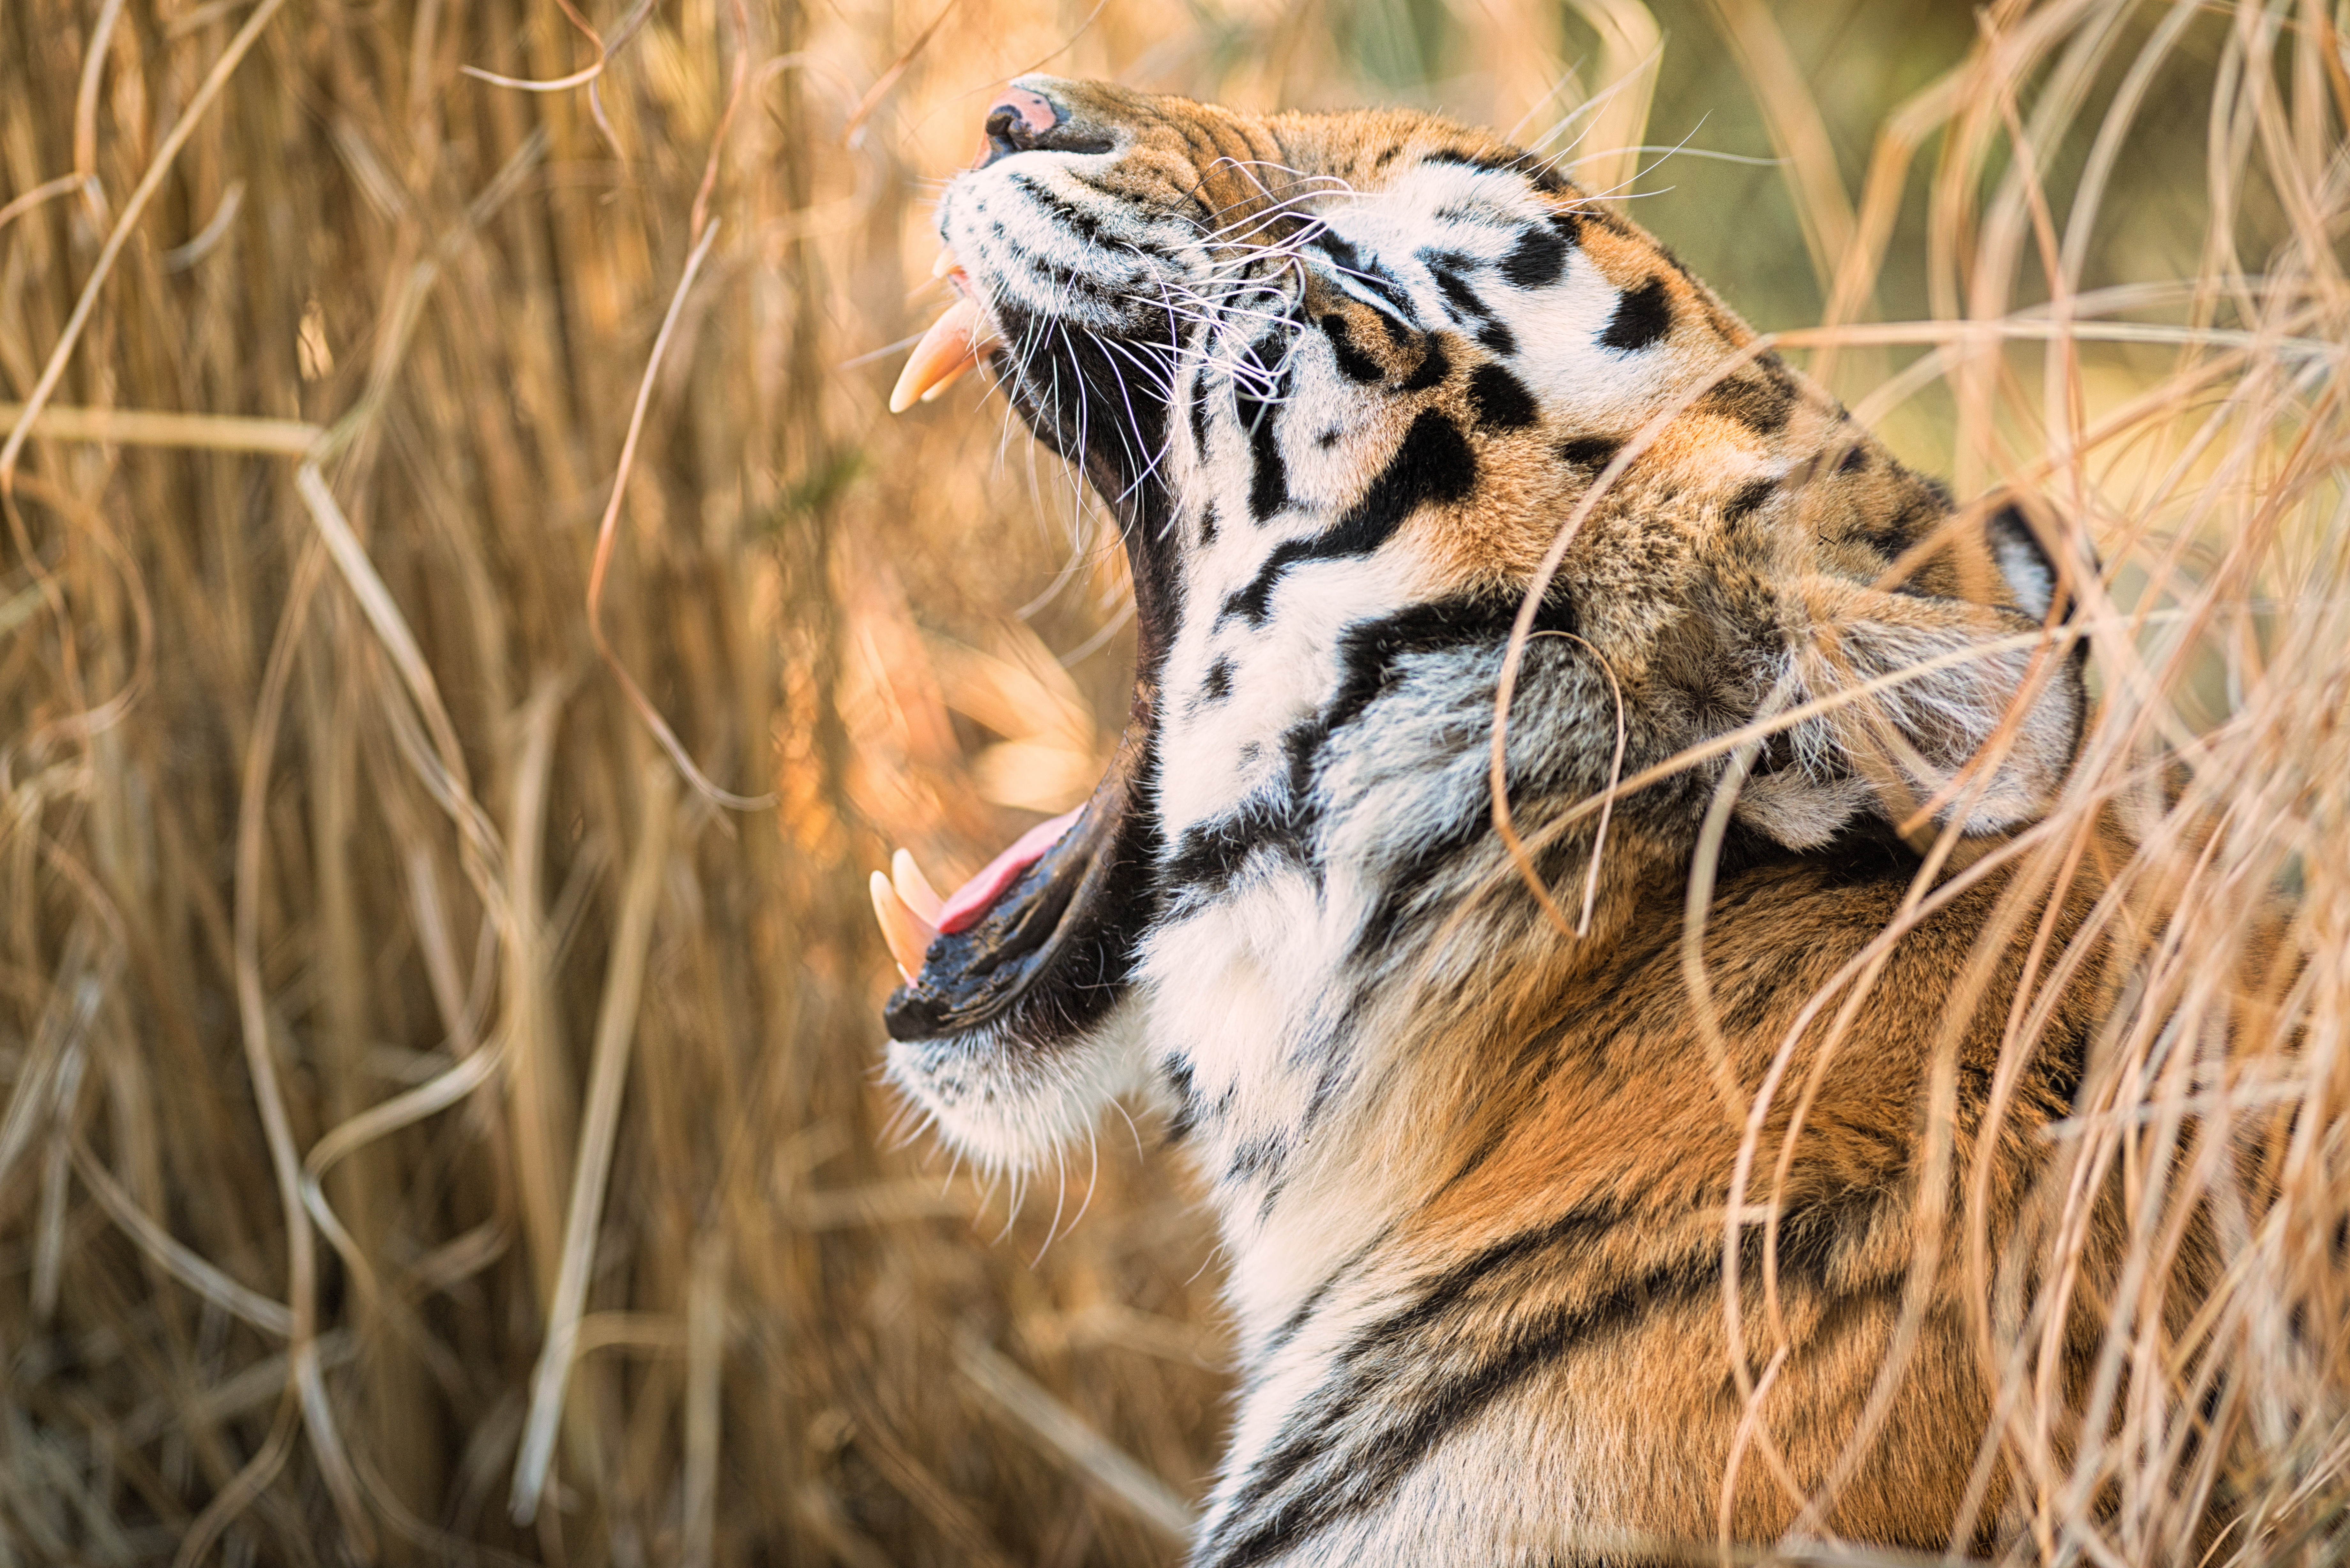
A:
x: 945, y: 348
x: 938, y: 389
x: 945, y: 263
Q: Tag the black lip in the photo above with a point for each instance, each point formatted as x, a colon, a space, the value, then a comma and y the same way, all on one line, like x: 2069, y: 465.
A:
x: 1053, y: 953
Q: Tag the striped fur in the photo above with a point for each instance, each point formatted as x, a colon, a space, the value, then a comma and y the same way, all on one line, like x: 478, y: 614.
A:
x: 1344, y: 378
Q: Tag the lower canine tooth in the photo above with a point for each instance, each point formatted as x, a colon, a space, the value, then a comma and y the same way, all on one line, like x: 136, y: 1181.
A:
x: 915, y: 888
x: 907, y: 934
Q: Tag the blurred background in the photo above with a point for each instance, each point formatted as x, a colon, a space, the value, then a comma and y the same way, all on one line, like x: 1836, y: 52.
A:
x: 439, y: 1129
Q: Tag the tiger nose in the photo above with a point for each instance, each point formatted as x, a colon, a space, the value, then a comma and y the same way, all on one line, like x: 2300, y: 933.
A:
x: 1015, y: 120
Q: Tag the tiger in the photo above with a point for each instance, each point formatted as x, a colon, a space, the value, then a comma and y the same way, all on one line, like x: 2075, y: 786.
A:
x: 1544, y: 694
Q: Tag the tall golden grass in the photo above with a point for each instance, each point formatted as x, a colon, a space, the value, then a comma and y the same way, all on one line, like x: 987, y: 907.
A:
x: 468, y: 627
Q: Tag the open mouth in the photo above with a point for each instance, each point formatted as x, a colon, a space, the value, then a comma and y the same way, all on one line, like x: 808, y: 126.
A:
x: 1039, y: 941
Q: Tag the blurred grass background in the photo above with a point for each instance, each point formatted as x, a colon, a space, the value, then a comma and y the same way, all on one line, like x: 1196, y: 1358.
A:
x: 428, y: 1110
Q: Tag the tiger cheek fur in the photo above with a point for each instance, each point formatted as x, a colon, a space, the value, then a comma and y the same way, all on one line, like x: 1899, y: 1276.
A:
x: 1344, y: 379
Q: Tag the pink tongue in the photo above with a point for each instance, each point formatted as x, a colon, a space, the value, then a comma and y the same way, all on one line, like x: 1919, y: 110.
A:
x: 967, y: 903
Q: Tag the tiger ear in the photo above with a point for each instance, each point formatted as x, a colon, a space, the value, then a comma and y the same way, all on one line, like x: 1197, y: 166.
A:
x: 1957, y: 692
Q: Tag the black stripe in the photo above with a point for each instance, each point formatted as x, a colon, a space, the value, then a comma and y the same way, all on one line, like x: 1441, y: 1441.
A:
x: 1294, y: 1323
x: 1455, y: 288
x: 1256, y: 1157
x: 1540, y: 255
x: 1267, y: 367
x: 1489, y: 162
x: 1594, y: 452
x: 1534, y: 170
x: 1268, y: 476
x: 1448, y: 1289
x: 1087, y: 226
x: 1375, y: 1468
x: 1352, y: 363
x: 1371, y: 656
x: 1642, y: 316
x: 1891, y: 535
x: 1061, y: 275
x: 1434, y: 365
x: 1178, y: 1073
x: 1268, y: 1541
x: 1762, y: 403
x: 1378, y: 1367
x: 1500, y: 400
x: 1363, y: 1473
x: 1404, y: 885
x: 1369, y: 650
x: 1749, y: 499
x: 1432, y: 464
x: 1210, y: 854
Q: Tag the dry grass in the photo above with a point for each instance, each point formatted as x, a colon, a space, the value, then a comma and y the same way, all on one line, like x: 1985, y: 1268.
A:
x: 428, y: 1106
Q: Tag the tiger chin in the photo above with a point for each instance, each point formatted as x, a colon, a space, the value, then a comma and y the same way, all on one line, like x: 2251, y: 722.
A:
x: 1344, y: 379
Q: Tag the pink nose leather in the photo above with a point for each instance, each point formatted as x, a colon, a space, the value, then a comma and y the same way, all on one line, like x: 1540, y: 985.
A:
x: 1032, y: 110
x: 1015, y: 120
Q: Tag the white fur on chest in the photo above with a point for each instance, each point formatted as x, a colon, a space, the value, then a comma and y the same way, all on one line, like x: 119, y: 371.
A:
x: 1242, y: 997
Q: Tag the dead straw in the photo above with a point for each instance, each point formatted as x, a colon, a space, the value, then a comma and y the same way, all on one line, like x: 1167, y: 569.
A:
x: 343, y: 896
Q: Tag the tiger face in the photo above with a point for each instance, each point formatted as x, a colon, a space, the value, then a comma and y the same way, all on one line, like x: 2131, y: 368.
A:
x: 1345, y: 381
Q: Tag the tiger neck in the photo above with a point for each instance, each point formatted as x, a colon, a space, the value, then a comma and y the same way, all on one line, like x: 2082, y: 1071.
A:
x: 1322, y: 1107
x: 1321, y: 788
x: 1321, y: 1081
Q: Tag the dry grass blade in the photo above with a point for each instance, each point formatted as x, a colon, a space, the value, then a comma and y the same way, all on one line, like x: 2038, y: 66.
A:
x: 616, y: 1029
x: 342, y: 895
x: 189, y: 1268
x: 63, y: 185
x: 888, y: 78
x: 72, y: 1007
x: 1797, y: 131
x: 149, y: 183
x: 1630, y: 50
x: 199, y: 433
x: 605, y: 537
x: 305, y: 1390
x: 1053, y: 1424
x: 705, y: 1355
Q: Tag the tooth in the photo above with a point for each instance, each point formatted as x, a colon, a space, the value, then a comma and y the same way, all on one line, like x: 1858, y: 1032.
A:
x: 915, y: 888
x: 945, y: 265
x: 907, y: 934
x: 951, y: 346
x: 944, y: 349
x: 938, y: 388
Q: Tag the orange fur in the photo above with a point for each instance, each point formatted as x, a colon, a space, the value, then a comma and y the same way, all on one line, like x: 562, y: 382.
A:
x: 1554, y: 1143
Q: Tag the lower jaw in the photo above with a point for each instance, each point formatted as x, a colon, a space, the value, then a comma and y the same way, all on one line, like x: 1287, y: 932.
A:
x: 1051, y: 957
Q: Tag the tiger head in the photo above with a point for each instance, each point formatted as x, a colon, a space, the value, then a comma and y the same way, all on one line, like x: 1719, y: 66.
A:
x: 1345, y: 381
